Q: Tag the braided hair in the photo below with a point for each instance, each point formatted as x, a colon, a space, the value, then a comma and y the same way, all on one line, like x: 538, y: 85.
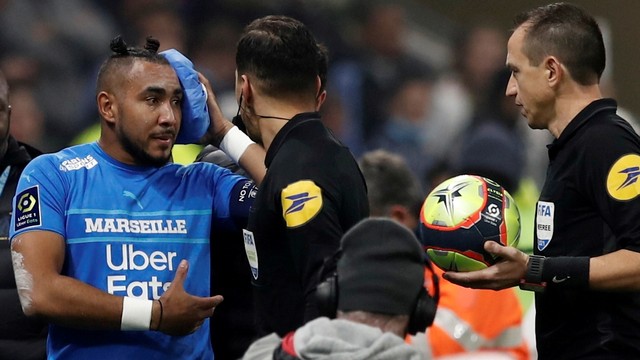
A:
x: 121, y: 49
x: 123, y: 56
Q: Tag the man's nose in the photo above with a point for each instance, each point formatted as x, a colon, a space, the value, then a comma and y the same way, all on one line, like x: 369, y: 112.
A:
x: 511, y: 89
x: 167, y: 114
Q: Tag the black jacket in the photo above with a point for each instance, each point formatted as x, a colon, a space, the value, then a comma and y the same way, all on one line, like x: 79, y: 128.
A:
x: 20, y: 337
x: 589, y: 206
x: 312, y: 194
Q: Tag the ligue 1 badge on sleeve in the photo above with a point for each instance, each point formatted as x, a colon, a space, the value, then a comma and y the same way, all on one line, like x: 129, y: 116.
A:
x: 27, y: 208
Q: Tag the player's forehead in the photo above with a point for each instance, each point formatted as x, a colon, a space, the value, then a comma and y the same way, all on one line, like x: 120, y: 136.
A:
x: 144, y: 74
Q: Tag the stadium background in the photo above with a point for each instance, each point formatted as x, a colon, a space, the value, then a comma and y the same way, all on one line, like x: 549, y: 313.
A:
x: 50, y: 49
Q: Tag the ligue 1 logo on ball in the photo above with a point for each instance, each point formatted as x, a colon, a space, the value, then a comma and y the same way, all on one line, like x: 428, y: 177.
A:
x: 460, y: 215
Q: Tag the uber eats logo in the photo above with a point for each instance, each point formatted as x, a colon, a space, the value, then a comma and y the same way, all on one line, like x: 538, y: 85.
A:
x: 133, y: 266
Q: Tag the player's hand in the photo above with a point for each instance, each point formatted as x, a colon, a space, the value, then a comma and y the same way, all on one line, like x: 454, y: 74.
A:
x: 183, y: 313
x: 505, y: 273
x: 219, y: 125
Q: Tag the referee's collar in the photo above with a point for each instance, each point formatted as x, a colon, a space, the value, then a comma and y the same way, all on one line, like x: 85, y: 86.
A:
x: 280, y: 137
x: 590, y: 111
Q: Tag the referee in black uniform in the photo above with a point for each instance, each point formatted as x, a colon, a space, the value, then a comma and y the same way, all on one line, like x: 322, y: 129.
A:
x: 586, y: 267
x: 313, y: 191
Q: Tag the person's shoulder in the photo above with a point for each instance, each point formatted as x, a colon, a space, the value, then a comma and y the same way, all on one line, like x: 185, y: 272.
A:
x: 52, y: 157
x: 604, y: 142
x: 205, y: 153
x: 198, y: 166
x: 68, y: 158
x: 213, y: 155
x: 75, y: 150
x: 608, y: 129
x: 31, y: 150
x: 315, y: 148
x: 264, y: 348
x: 205, y: 172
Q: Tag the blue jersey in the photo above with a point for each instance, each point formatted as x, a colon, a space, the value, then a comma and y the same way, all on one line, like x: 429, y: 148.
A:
x: 126, y: 230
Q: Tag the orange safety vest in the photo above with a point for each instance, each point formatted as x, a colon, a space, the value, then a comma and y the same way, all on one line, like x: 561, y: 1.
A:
x: 471, y: 320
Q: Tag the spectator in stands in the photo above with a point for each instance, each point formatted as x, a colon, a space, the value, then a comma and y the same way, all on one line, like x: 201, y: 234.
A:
x: 27, y: 117
x: 403, y: 130
x: 368, y: 81
x: 59, y: 42
x: 478, y: 54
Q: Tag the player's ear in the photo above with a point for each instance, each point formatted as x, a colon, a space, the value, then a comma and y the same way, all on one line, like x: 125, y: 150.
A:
x: 106, y: 106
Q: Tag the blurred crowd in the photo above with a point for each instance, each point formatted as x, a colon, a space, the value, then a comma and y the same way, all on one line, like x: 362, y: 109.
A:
x: 392, y: 83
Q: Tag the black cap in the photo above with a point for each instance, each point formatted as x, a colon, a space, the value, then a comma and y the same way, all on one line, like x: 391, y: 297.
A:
x: 381, y: 269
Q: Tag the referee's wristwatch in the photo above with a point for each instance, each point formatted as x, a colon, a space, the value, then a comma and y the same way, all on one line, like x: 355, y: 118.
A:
x: 533, y: 278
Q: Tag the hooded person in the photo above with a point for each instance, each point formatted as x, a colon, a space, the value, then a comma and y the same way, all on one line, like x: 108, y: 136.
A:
x: 374, y: 295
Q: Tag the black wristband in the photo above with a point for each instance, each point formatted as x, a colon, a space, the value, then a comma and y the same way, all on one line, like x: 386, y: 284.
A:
x: 567, y: 272
x: 533, y: 277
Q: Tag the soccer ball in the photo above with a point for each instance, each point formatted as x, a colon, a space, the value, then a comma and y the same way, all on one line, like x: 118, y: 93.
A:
x: 460, y: 214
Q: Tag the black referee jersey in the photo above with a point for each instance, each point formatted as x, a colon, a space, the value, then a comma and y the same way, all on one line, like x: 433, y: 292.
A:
x: 313, y: 192
x: 589, y: 206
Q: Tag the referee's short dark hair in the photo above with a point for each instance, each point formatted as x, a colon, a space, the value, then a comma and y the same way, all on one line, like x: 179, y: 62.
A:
x: 283, y: 56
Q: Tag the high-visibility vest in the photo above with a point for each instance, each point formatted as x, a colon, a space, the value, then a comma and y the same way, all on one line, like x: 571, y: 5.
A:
x: 471, y: 320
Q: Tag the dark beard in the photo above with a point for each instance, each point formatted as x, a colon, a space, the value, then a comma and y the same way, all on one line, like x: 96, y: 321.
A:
x: 141, y: 157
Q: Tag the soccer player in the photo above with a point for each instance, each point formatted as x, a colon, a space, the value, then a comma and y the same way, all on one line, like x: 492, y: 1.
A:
x: 586, y: 265
x: 110, y: 237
